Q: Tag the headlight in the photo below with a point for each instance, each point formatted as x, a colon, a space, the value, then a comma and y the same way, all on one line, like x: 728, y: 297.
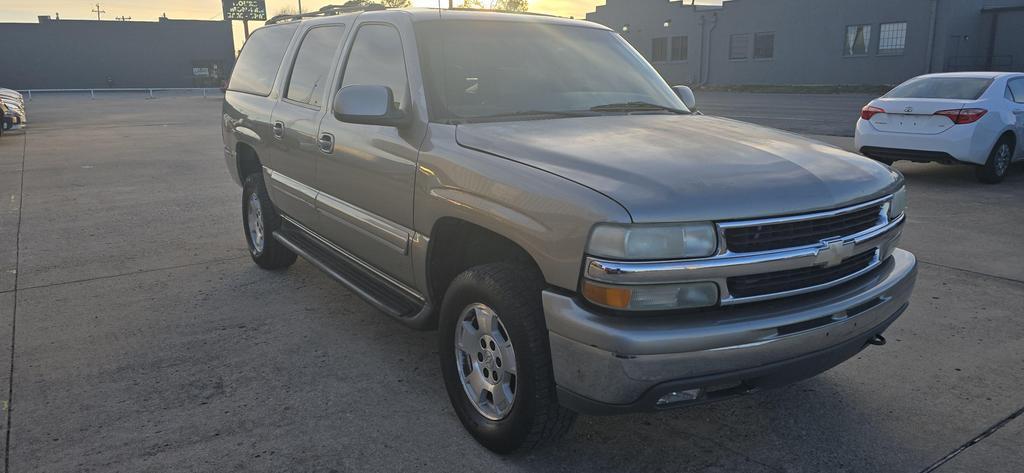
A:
x: 653, y: 242
x: 652, y: 297
x: 898, y: 204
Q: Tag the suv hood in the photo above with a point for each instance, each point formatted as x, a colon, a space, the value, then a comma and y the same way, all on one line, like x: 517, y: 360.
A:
x: 670, y: 168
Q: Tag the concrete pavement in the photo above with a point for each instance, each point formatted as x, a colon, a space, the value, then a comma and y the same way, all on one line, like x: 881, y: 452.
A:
x: 145, y: 340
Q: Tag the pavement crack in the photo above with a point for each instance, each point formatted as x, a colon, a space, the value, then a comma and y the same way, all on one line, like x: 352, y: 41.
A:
x: 8, y: 403
x: 974, y: 441
x: 131, y: 273
x: 978, y: 273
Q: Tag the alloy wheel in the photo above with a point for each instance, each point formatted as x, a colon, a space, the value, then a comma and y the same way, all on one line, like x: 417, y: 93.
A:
x: 254, y: 215
x: 486, y: 361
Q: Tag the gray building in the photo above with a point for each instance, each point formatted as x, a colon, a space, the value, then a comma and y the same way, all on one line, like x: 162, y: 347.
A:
x: 67, y: 54
x: 862, y: 42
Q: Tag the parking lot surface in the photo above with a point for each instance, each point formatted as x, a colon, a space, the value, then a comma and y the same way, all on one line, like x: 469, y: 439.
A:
x: 140, y: 337
x: 819, y: 114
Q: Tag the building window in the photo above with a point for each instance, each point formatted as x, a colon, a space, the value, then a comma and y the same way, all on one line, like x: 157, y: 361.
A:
x: 680, y: 48
x: 739, y: 45
x: 857, y: 39
x: 892, y: 38
x: 659, y: 49
x: 764, y: 45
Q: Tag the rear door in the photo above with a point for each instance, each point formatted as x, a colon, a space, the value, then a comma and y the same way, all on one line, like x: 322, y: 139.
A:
x: 1016, y: 90
x: 296, y: 121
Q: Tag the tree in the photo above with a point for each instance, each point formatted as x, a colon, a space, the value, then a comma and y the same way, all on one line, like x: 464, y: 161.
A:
x: 286, y: 10
x: 504, y: 5
x: 385, y: 3
x: 512, y: 5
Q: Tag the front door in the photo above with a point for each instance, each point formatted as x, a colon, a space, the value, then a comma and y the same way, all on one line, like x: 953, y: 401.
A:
x: 366, y: 181
x: 296, y: 121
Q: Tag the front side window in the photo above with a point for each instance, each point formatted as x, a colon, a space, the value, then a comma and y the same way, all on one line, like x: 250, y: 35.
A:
x: 680, y: 48
x: 500, y: 70
x: 892, y: 38
x: 739, y: 44
x: 659, y: 49
x: 377, y: 58
x: 764, y: 45
x: 857, y: 39
x: 1016, y: 88
x: 953, y: 88
x: 260, y: 59
x: 313, y: 63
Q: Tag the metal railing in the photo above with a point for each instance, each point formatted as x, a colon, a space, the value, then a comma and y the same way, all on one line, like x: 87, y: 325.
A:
x: 150, y: 90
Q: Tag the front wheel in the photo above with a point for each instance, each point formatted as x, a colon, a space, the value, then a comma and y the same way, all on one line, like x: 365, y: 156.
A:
x: 496, y: 359
x: 995, y: 169
x: 260, y: 219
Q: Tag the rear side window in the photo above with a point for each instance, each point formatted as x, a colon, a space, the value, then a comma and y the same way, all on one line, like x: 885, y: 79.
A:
x: 1017, y: 89
x: 377, y: 58
x: 313, y: 63
x: 953, y: 88
x: 260, y: 59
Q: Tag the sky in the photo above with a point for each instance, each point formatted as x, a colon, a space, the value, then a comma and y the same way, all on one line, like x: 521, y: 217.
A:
x: 150, y: 10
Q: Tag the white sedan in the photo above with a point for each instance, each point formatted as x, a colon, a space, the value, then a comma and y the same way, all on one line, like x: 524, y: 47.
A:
x: 965, y: 117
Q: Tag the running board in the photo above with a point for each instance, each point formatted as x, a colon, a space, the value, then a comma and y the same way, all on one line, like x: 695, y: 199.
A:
x: 379, y: 292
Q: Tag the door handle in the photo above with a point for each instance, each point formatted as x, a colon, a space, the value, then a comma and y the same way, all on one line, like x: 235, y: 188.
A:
x: 278, y: 130
x: 326, y: 142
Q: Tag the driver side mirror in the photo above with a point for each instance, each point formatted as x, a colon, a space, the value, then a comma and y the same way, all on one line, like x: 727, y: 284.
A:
x: 686, y: 95
x: 368, y: 105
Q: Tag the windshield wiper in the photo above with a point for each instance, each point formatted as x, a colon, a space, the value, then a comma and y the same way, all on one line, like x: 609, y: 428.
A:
x: 533, y: 113
x: 634, y: 107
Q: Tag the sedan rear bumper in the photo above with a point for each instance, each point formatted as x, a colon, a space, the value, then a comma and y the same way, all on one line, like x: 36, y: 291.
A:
x: 613, y: 364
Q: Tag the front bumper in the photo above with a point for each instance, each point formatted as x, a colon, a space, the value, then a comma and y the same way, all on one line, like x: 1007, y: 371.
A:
x: 614, y: 364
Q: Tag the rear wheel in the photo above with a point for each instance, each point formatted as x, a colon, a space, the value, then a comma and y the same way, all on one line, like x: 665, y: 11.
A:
x: 998, y: 165
x: 260, y: 219
x: 496, y: 358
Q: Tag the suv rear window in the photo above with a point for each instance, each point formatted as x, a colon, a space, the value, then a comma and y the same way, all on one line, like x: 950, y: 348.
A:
x: 260, y: 59
x: 954, y: 88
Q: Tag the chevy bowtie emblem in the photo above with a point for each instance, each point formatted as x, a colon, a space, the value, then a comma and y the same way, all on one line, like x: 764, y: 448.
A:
x: 834, y: 252
x: 908, y: 109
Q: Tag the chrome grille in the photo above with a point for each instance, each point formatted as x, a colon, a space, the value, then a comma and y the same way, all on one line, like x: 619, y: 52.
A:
x: 791, y: 234
x: 797, y: 279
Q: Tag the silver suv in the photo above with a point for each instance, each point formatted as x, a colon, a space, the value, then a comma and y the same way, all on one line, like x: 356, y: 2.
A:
x: 581, y: 239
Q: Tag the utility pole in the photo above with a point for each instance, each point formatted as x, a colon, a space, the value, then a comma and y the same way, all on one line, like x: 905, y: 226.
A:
x: 123, y: 18
x: 300, y: 7
x: 97, y: 11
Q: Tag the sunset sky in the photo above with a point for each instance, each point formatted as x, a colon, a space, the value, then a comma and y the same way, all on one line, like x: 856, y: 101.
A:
x: 150, y: 10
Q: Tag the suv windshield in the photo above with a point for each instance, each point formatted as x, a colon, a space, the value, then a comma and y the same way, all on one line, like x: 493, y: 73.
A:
x: 955, y: 88
x: 480, y: 70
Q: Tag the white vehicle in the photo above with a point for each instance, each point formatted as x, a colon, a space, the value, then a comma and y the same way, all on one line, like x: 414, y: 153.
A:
x: 954, y: 118
x: 16, y: 108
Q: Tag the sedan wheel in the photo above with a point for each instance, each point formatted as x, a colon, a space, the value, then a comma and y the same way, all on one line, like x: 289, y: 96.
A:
x: 998, y: 164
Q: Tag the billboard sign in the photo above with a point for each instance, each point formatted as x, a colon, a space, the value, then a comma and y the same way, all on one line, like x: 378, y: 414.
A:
x: 245, y: 9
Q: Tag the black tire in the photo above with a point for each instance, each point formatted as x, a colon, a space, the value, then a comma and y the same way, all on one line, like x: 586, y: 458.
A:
x: 273, y: 255
x: 993, y: 172
x: 514, y: 292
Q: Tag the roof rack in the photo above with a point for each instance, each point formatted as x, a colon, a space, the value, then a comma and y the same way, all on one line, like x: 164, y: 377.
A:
x: 327, y: 10
x: 460, y: 8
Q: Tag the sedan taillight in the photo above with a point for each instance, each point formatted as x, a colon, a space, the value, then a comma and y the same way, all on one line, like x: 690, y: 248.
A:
x: 869, y: 111
x: 963, y: 116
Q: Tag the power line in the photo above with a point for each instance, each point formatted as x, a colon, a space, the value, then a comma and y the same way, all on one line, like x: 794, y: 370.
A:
x: 98, y: 11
